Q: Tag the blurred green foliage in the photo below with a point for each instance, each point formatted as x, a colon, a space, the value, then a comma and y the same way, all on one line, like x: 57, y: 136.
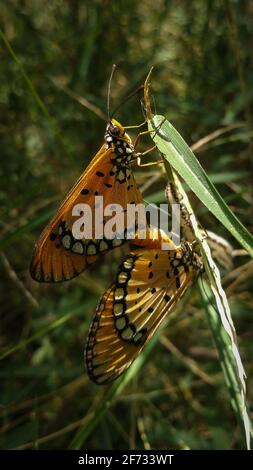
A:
x: 202, y: 53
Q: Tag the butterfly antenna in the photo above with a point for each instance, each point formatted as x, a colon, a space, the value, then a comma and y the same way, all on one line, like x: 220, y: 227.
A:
x: 109, y: 91
x: 135, y: 92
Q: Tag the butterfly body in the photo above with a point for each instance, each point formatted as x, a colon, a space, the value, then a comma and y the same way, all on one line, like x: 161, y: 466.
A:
x: 148, y: 285
x: 123, y: 153
x: 58, y: 255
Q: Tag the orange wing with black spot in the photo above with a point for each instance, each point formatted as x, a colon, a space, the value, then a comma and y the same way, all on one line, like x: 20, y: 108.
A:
x: 58, y: 256
x: 148, y: 285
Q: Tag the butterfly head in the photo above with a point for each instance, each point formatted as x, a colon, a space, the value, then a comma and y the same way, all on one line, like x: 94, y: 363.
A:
x: 115, y: 132
x: 192, y: 255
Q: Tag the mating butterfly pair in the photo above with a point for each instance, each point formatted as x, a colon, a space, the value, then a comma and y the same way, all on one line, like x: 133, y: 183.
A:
x: 150, y: 280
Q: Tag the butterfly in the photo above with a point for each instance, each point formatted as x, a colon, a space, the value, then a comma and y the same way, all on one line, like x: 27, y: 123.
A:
x: 58, y: 255
x: 149, y: 283
x: 175, y: 197
x: 221, y: 249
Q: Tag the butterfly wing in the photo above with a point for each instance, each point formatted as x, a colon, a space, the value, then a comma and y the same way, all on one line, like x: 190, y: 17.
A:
x: 148, y: 286
x: 57, y: 255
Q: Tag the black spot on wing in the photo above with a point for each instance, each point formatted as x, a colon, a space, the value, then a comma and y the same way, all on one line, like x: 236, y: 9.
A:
x: 85, y: 191
x: 100, y: 174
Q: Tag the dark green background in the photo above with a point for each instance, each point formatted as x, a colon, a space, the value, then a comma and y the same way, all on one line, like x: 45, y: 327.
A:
x: 202, y: 81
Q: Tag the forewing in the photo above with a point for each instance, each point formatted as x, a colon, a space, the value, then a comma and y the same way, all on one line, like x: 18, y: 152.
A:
x: 55, y: 261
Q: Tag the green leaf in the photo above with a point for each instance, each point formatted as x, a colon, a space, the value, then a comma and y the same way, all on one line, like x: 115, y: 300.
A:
x: 46, y: 329
x: 227, y: 361
x: 114, y: 390
x: 224, y: 321
x: 12, y: 237
x: 216, y: 178
x: 176, y: 151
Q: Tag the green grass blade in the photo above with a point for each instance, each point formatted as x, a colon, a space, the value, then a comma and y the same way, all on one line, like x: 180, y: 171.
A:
x: 41, y: 106
x: 227, y: 361
x: 176, y: 151
x: 215, y: 178
x: 109, y: 396
x: 12, y: 237
x: 25, y: 76
x: 46, y: 329
x: 224, y: 318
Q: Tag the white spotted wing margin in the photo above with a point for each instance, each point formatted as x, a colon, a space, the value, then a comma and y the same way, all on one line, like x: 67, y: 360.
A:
x: 148, y: 285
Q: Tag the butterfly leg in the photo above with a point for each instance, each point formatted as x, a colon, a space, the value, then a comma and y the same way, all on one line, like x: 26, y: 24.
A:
x: 140, y: 155
x: 136, y: 127
x: 141, y: 134
x: 149, y: 163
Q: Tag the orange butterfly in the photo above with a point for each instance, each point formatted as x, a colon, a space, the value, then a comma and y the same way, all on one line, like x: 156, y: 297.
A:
x: 58, y: 256
x: 221, y: 249
x: 149, y: 283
